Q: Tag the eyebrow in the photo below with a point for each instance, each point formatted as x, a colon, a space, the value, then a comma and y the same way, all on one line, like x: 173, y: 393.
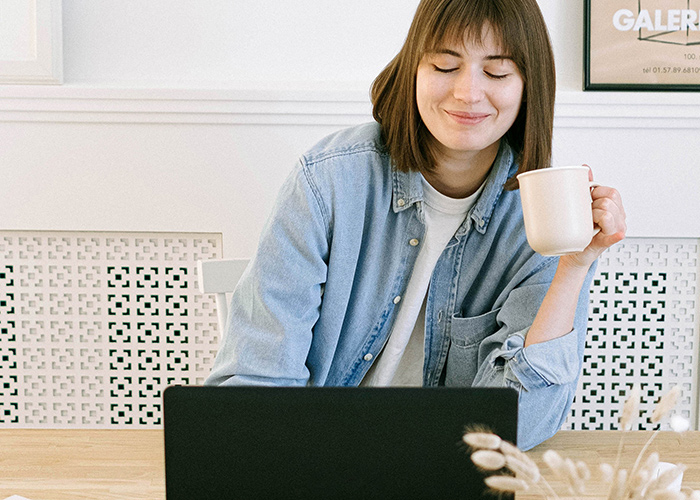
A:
x: 450, y: 52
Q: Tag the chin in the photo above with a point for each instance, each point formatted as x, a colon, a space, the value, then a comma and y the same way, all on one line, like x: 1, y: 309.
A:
x: 467, y: 147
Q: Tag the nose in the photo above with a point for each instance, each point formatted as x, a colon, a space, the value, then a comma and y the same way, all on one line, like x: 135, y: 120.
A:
x: 469, y: 86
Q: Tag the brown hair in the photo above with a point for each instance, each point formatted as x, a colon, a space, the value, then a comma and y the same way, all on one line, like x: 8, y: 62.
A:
x: 523, y: 35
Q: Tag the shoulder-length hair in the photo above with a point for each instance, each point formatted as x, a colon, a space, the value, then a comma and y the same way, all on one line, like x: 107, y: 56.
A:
x: 522, y: 32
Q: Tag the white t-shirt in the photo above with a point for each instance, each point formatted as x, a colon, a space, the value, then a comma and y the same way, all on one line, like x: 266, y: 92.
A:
x: 401, y: 361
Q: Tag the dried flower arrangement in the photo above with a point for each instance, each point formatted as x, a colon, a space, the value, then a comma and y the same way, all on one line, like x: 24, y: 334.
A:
x: 491, y: 454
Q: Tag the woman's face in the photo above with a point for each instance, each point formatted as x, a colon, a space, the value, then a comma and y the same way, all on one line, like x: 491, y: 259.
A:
x: 468, y: 96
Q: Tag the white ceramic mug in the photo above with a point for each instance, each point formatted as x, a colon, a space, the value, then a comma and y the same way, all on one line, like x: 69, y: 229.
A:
x: 557, y: 209
x: 663, y: 467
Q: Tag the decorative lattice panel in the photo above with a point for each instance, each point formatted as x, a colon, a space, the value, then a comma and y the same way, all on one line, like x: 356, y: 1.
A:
x: 93, y: 326
x: 643, y: 328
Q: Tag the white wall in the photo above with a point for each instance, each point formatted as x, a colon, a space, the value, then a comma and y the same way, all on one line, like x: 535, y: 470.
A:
x: 187, y: 115
x: 220, y: 42
x: 194, y: 42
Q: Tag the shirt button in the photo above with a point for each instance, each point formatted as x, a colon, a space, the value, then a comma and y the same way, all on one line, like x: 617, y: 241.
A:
x: 397, y: 299
x: 413, y: 242
x: 368, y: 357
x: 401, y: 202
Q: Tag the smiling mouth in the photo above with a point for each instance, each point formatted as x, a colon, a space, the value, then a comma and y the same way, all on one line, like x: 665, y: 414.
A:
x: 467, y: 118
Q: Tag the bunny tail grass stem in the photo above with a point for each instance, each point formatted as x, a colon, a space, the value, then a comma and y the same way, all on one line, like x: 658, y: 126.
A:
x: 617, y: 460
x: 543, y: 485
x: 641, y: 453
x: 619, y: 451
x: 547, y: 489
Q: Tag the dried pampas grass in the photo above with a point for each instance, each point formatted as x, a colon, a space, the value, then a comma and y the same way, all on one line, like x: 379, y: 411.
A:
x: 666, y: 404
x: 482, y: 440
x: 488, y: 460
x: 630, y: 410
x: 490, y: 454
x: 506, y: 483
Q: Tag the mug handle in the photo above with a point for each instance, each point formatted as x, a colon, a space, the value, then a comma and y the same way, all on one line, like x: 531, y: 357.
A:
x: 591, y: 185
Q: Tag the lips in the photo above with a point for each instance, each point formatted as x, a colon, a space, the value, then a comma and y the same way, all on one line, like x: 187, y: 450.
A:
x: 465, y: 118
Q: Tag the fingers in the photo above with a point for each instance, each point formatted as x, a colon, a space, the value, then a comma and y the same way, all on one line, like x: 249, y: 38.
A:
x: 605, y: 196
x: 599, y: 192
x: 609, y: 215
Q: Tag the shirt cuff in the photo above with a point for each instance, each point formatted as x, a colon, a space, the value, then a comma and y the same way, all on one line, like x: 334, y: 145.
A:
x: 554, y: 362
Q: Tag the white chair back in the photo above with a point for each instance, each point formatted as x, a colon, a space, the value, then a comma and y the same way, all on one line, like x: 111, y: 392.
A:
x: 220, y: 276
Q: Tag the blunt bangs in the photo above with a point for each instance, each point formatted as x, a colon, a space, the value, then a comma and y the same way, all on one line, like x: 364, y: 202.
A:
x: 459, y: 22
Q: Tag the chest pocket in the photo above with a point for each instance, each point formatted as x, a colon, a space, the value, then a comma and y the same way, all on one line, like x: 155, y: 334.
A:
x: 466, y: 335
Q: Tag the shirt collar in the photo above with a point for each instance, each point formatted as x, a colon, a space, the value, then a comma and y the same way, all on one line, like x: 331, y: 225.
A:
x: 408, y: 189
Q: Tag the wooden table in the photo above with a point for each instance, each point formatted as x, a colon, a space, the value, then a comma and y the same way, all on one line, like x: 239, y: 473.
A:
x: 46, y: 464
x: 129, y: 465
x: 595, y: 447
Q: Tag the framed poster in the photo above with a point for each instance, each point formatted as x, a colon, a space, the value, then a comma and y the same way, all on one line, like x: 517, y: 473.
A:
x: 642, y: 45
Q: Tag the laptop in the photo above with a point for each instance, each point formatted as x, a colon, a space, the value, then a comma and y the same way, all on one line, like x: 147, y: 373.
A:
x: 328, y: 442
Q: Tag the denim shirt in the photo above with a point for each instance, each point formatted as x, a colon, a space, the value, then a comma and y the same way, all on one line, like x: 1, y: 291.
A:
x: 317, y: 302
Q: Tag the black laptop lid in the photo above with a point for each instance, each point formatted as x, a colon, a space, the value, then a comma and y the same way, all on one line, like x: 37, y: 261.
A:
x: 328, y: 443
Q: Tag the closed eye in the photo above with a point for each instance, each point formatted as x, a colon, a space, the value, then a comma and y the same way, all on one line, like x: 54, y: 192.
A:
x: 443, y: 70
x: 496, y: 76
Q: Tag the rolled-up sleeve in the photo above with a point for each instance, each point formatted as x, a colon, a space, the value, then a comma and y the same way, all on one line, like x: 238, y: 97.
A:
x: 555, y: 362
x: 545, y: 374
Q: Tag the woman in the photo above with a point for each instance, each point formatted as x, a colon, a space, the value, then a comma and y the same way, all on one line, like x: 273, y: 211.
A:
x: 396, y: 253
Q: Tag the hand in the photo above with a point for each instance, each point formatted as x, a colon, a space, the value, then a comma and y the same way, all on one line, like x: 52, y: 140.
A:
x: 608, y: 216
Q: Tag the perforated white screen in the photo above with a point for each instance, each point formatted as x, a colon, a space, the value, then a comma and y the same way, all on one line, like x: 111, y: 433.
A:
x: 643, y: 329
x: 93, y: 326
